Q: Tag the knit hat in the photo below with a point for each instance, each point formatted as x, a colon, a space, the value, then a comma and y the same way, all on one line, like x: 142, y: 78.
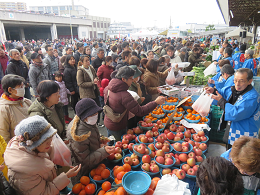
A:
x: 86, y: 107
x: 137, y: 71
x: 33, y: 131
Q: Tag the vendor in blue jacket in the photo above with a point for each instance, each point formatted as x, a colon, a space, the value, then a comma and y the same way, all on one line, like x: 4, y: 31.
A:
x: 239, y: 58
x: 250, y: 62
x: 228, y: 55
x: 241, y: 107
x: 220, y: 57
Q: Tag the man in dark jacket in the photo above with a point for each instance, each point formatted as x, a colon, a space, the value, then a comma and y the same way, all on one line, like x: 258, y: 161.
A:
x: 60, y: 50
x: 18, y: 67
x: 193, y: 59
x: 126, y: 55
x: 79, y: 52
x: 100, y: 58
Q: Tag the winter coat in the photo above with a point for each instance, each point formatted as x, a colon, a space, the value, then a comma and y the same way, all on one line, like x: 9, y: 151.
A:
x: 162, y: 68
x: 152, y: 81
x: 121, y: 64
x: 52, y: 64
x: 12, y: 113
x: 77, y: 56
x: 31, y: 173
x: 2, y: 72
x: 239, y: 59
x: 97, y: 63
x: 120, y: 100
x: 18, y: 67
x: 87, y: 88
x: 251, y: 64
x: 38, y: 108
x: 63, y: 93
x: 84, y: 144
x: 38, y: 74
x: 25, y: 60
x: 60, y: 51
x: 104, y: 72
x: 69, y: 77
x: 193, y: 62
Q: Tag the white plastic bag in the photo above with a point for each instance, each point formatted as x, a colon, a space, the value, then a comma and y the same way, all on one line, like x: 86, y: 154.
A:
x: 202, y: 104
x: 61, y: 153
x: 211, y: 69
x: 170, y: 79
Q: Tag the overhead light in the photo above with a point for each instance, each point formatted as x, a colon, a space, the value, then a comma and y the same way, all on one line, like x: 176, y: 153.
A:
x: 258, y: 12
x: 231, y: 13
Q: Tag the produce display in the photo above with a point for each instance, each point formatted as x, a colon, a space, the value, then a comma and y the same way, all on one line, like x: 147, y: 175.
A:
x: 198, y: 78
x: 153, y: 148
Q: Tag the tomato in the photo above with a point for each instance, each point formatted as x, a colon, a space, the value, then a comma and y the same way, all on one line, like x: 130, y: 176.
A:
x: 84, y: 180
x: 106, y: 186
x: 77, y: 188
x: 105, y: 173
x: 90, y: 189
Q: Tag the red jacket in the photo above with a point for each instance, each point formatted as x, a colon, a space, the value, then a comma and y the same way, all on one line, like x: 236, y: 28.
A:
x: 120, y: 100
x: 104, y: 72
x: 104, y: 83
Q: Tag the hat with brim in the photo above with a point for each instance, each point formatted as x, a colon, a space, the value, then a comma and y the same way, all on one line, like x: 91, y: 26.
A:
x: 155, y: 48
x: 34, y: 131
x: 86, y: 107
x: 137, y: 71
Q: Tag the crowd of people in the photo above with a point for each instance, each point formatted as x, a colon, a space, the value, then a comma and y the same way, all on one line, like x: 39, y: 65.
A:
x: 123, y: 77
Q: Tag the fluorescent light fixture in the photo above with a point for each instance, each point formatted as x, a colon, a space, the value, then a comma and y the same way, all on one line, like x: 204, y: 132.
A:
x: 231, y: 13
x: 258, y: 12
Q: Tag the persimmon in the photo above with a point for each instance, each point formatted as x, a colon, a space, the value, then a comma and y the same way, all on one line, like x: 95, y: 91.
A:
x: 84, y: 180
x: 120, y: 175
x: 110, y: 193
x: 83, y: 187
x: 101, y: 192
x: 105, y: 173
x: 119, y: 169
x: 90, y: 189
x: 77, y: 188
x: 118, y: 181
x: 115, y: 167
x: 93, y: 172
x: 120, y: 191
x: 149, y: 192
x: 152, y: 186
x: 97, y: 177
x: 102, y: 165
x: 82, y: 192
x: 99, y: 170
x: 127, y: 167
x: 106, y: 186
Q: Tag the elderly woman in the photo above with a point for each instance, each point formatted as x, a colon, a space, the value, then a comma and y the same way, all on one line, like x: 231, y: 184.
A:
x: 48, y: 106
x: 122, y: 102
x: 28, y: 157
x: 13, y: 106
x: 245, y: 155
x: 84, y: 138
x: 152, y: 78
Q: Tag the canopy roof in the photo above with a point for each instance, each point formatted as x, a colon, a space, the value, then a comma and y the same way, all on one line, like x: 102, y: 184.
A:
x: 235, y: 12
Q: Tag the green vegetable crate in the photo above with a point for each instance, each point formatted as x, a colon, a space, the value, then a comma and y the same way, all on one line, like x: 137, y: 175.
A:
x: 214, y: 134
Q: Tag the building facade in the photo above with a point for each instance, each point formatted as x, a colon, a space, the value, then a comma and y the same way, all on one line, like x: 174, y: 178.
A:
x: 15, y: 6
x: 122, y: 29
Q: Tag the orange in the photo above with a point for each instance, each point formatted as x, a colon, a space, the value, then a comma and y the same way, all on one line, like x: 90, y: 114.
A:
x: 83, y: 187
x: 120, y: 191
x: 189, y: 115
x: 127, y: 167
x: 97, y: 177
x: 149, y: 192
x: 105, y: 173
x: 120, y: 175
x: 99, y: 170
x: 84, y: 180
x: 82, y: 192
x: 106, y: 186
x: 101, y: 192
x: 110, y: 193
x: 119, y: 169
x: 189, y: 110
x: 90, y: 189
x: 93, y: 172
x: 152, y: 186
x: 77, y: 188
x: 102, y: 165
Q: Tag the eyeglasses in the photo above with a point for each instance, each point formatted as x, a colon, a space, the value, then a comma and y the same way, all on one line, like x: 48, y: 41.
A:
x: 240, y: 81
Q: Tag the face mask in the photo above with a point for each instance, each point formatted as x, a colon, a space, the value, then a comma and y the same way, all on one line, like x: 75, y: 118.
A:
x: 92, y: 120
x: 138, y: 79
x: 20, y: 92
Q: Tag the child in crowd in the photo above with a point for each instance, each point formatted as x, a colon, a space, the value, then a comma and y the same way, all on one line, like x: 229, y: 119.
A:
x: 104, y: 83
x: 63, y: 95
x: 105, y: 70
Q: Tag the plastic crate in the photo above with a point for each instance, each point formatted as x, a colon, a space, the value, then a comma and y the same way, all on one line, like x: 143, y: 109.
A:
x: 249, y: 192
x: 214, y: 134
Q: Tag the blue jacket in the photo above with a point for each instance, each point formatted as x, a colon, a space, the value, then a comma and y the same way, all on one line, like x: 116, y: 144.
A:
x: 216, y: 78
x: 230, y: 60
x: 251, y: 64
x: 243, y: 115
x: 219, y: 57
x: 218, y: 69
x: 239, y: 59
x: 234, y: 50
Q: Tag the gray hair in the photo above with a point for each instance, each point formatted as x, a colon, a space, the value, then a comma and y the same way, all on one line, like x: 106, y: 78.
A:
x: 250, y: 52
x: 227, y: 68
x: 125, y: 72
x: 166, y: 56
x: 100, y: 49
x: 183, y: 49
x: 246, y: 70
x: 13, y: 51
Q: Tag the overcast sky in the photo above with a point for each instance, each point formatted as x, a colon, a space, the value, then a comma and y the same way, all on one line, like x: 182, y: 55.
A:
x: 147, y: 13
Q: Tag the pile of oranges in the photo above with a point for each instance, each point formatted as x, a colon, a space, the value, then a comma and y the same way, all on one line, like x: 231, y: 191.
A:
x: 192, y: 111
x: 100, y: 173
x: 172, y: 99
x: 180, y: 109
x: 191, y: 116
x: 150, y: 117
x: 164, y: 120
x: 120, y: 171
x: 84, y: 187
x: 203, y: 120
x: 118, y: 191
x: 177, y: 115
x: 167, y: 107
x: 158, y: 111
x: 188, y: 102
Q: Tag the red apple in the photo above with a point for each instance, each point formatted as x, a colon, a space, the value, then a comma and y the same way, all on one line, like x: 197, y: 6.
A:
x: 203, y: 146
x: 155, y: 128
x: 160, y: 138
x: 154, y: 168
x: 166, y: 149
x: 174, y: 171
x: 177, y: 146
x: 125, y: 146
x: 118, y: 144
x: 118, y: 156
x: 128, y: 160
x: 185, y: 149
x: 158, y: 145
x: 185, y: 144
x: 146, y: 167
x: 143, y: 139
x: 147, y: 120
x: 199, y: 159
x: 191, y: 142
x: 187, y: 134
x: 183, y: 157
x: 149, y: 133
x: 135, y: 161
x: 130, y: 146
x: 176, y: 138
x: 173, y: 128
x: 168, y: 161
x: 198, y: 152
x: 186, y: 139
x: 111, y: 156
x: 203, y: 138
x: 167, y: 156
x: 191, y: 171
x: 161, y: 126
x: 191, y: 161
x: 146, y: 151
x: 159, y: 153
x: 151, y: 146
x: 152, y: 155
x: 166, y: 171
x: 134, y: 156
x: 192, y: 131
x: 166, y: 131
x: 130, y: 131
x: 146, y: 159
x: 177, y: 161
x: 155, y: 134
x: 185, y: 167
x: 159, y: 122
x: 137, y: 130
x: 118, y: 150
x: 136, y: 140
x: 170, y: 136
x: 201, y: 133
x: 141, y: 149
x: 150, y: 140
x: 196, y: 138
x: 180, y: 174
x: 160, y: 159
x: 197, y: 144
x: 176, y: 155
x: 191, y: 155
x: 196, y: 167
x: 180, y: 134
x: 152, y: 162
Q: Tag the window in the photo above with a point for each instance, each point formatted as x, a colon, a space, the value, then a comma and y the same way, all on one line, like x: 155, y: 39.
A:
x: 105, y: 24
x: 90, y: 34
x: 101, y: 24
x: 94, y: 24
x: 62, y: 8
x: 95, y: 34
x: 98, y: 25
x: 40, y: 9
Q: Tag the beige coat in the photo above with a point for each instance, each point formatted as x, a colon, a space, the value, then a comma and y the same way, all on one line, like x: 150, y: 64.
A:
x: 30, y: 173
x: 87, y: 88
x: 11, y: 113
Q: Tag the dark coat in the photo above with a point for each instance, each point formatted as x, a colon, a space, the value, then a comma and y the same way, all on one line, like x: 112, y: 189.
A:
x: 120, y: 100
x: 18, y: 68
x: 69, y: 77
x: 97, y: 63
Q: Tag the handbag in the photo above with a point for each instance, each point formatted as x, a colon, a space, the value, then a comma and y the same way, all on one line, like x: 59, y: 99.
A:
x: 115, y: 117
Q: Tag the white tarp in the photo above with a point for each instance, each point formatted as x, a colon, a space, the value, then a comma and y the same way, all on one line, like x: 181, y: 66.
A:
x: 144, y: 34
x: 235, y: 33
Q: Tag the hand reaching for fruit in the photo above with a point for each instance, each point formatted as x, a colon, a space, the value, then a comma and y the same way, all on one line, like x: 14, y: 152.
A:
x: 160, y: 100
x: 104, y: 140
x: 110, y: 149
x: 73, y: 171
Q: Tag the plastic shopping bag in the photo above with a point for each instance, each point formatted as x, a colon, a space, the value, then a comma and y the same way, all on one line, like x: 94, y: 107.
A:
x: 210, y: 70
x: 202, y: 104
x: 61, y: 153
x: 170, y: 79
